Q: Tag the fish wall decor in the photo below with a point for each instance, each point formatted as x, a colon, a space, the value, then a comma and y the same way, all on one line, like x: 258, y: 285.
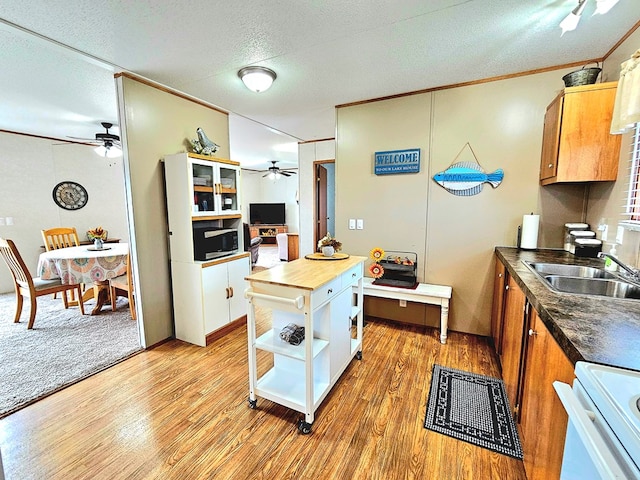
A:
x: 467, y: 178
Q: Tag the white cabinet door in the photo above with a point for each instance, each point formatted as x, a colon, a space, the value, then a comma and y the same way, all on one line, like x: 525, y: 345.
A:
x: 215, y: 293
x: 340, y: 337
x: 237, y: 271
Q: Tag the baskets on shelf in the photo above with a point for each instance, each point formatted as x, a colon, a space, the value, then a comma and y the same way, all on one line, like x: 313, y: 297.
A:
x: 584, y: 76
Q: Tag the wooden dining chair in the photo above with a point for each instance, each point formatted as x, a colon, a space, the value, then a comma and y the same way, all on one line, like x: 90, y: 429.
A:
x: 32, y: 287
x: 61, y: 237
x: 123, y: 283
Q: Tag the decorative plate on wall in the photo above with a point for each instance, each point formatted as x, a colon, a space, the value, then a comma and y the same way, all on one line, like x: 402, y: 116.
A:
x: 70, y: 195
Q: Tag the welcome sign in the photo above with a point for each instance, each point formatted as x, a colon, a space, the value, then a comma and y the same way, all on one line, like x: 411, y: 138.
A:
x: 397, y: 161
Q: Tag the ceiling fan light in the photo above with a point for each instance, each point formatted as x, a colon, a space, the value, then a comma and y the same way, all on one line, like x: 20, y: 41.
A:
x: 101, y: 150
x: 108, y: 152
x: 257, y: 79
x: 603, y: 6
x: 113, y: 152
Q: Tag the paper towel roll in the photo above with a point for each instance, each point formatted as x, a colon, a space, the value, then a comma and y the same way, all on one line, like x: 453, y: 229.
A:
x: 529, y: 237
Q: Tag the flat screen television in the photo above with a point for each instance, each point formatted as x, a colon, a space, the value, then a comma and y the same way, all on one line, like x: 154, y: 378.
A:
x: 267, y: 213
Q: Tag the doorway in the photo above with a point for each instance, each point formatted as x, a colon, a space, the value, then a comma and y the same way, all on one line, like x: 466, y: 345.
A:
x: 324, y: 199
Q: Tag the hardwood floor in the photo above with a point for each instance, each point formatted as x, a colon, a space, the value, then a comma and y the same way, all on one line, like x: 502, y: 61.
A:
x: 180, y: 412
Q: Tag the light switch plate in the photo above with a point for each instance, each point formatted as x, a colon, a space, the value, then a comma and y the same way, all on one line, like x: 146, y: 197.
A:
x: 352, y: 224
x: 360, y: 224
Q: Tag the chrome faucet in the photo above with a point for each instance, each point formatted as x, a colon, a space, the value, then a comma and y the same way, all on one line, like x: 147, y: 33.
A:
x: 635, y: 274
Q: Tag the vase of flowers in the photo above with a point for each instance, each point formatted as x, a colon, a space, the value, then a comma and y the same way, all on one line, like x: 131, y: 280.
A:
x: 329, y: 245
x: 98, y: 235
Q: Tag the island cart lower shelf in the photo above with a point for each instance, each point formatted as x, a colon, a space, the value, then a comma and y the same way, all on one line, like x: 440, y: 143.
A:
x: 323, y: 297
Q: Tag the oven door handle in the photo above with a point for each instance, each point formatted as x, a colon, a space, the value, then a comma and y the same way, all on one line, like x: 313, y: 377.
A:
x: 582, y: 419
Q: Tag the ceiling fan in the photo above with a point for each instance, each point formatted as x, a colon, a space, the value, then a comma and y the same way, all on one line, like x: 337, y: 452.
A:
x: 108, y: 143
x: 274, y: 171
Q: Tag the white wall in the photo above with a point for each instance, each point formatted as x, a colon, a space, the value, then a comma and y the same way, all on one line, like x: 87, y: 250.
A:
x: 31, y: 167
x: 259, y: 189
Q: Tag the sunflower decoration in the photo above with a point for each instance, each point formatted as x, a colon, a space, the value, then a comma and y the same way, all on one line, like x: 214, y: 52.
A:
x: 376, y: 254
x: 376, y: 270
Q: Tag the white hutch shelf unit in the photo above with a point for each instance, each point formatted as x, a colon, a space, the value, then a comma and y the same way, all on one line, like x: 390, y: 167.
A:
x: 207, y: 295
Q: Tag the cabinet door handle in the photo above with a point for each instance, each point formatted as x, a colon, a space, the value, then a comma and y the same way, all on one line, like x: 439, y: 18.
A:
x: 506, y: 287
x: 499, y: 275
x: 551, y: 165
x: 532, y: 332
x: 227, y: 290
x: 329, y: 291
x: 231, y: 290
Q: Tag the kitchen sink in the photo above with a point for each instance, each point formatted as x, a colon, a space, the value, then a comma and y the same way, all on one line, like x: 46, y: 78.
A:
x: 594, y: 286
x: 584, y: 280
x: 569, y: 270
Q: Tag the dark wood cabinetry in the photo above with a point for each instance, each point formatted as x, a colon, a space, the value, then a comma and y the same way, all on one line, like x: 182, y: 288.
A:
x: 543, y: 419
x: 531, y: 361
x: 513, y: 330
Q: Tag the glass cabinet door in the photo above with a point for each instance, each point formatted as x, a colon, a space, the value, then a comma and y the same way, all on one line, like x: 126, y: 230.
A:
x: 215, y: 188
x: 229, y: 180
x: 203, y: 189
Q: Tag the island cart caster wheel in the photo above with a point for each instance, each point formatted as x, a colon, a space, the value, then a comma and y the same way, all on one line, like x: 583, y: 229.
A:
x: 253, y: 403
x: 359, y: 355
x: 304, y: 427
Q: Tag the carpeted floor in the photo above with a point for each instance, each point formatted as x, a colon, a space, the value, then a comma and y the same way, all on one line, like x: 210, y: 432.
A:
x: 62, y: 348
x: 267, y: 257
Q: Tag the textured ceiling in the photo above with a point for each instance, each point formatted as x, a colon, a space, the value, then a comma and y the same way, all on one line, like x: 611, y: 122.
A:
x: 324, y: 52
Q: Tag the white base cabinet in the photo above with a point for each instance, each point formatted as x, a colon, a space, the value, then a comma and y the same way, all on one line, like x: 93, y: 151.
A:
x: 325, y: 299
x: 207, y: 296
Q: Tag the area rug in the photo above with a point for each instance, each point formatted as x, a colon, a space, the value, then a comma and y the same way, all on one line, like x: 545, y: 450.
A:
x: 62, y: 348
x: 472, y: 408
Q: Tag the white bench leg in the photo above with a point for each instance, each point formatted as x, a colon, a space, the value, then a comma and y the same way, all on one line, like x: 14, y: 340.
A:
x: 444, y: 320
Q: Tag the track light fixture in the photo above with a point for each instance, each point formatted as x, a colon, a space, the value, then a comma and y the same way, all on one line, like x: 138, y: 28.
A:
x: 571, y: 21
x: 257, y: 79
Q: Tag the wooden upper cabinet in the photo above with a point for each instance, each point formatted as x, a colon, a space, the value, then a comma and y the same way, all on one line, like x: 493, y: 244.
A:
x: 576, y: 143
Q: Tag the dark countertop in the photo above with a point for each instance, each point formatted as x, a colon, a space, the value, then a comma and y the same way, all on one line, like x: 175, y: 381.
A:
x: 592, y: 328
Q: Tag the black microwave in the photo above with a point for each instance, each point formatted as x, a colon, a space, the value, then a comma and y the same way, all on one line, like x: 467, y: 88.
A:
x: 211, y: 242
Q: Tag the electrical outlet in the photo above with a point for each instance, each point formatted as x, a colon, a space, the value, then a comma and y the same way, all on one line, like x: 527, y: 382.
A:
x: 619, y: 235
x: 403, y: 303
x: 352, y: 224
x: 360, y: 224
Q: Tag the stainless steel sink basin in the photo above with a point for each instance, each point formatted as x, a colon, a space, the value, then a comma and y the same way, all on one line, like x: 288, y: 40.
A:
x: 593, y: 286
x: 569, y: 270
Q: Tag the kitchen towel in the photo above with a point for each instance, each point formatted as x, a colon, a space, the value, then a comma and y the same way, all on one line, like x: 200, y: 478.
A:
x: 529, y: 239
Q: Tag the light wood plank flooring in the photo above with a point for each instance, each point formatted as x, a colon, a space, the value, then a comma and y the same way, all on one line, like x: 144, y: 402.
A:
x: 180, y: 412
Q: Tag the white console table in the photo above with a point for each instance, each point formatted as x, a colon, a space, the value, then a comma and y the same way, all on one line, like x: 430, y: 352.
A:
x: 423, y: 293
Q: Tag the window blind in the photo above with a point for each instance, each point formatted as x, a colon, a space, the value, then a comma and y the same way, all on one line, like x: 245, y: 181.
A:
x: 632, y: 206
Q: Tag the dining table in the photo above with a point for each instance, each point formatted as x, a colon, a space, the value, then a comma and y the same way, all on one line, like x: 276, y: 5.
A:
x: 88, y: 265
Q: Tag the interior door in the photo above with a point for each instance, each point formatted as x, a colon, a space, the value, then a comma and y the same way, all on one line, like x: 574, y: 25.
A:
x: 321, y: 203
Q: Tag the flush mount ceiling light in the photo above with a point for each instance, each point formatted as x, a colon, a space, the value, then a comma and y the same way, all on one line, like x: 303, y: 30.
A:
x: 257, y: 79
x: 570, y: 22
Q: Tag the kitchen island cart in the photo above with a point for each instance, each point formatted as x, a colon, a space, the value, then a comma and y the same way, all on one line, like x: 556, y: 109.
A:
x: 324, y: 297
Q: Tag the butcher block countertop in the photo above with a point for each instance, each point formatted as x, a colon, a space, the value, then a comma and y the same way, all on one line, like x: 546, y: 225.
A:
x: 591, y: 328
x: 304, y: 273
